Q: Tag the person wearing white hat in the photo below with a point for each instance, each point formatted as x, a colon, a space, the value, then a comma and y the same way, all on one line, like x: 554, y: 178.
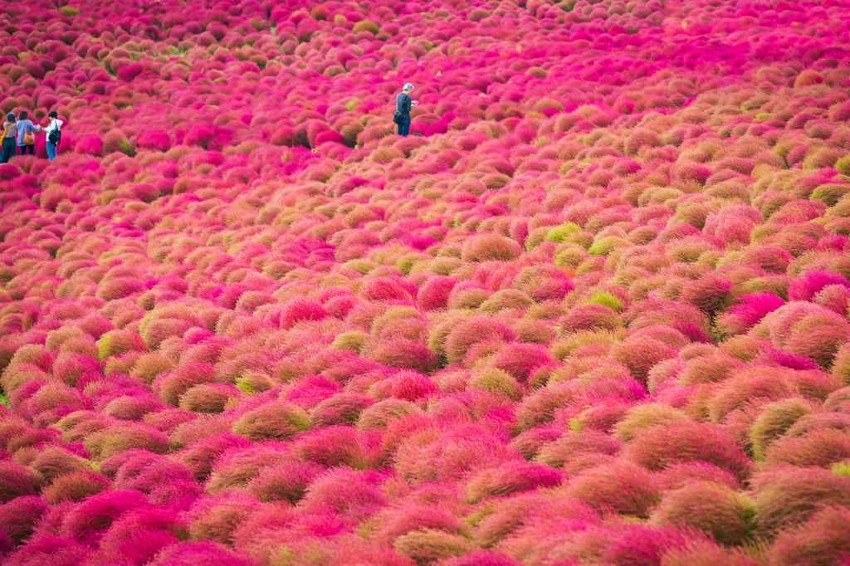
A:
x: 403, y: 105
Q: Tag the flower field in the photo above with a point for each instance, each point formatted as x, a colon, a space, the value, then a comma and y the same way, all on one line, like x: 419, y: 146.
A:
x: 594, y: 310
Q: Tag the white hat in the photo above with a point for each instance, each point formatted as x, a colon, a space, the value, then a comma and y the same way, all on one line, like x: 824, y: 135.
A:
x: 407, y: 86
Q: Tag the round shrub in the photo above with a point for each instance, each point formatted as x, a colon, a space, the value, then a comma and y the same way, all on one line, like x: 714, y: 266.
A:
x: 275, y: 420
x: 616, y: 488
x: 496, y: 381
x: 16, y: 481
x: 706, y: 553
x: 641, y: 353
x: 788, y: 497
x: 712, y: 508
x: 192, y: 553
x: 75, y: 486
x: 773, y: 421
x: 216, y: 518
x: 286, y: 481
x: 19, y: 517
x: 402, y: 353
x: 490, y: 247
x: 823, y: 539
x: 572, y: 447
x: 331, y: 447
x: 354, y: 495
x: 685, y: 441
x: 817, y: 448
x: 543, y: 282
x: 642, y: 417
x: 511, y: 477
x: 471, y: 331
x: 341, y: 408
x: 123, y: 436
x: 49, y: 549
x: 425, y: 546
x: 384, y: 412
x: 89, y: 521
x: 208, y: 397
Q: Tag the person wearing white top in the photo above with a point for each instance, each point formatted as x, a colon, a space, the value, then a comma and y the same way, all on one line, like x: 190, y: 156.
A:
x: 55, y: 124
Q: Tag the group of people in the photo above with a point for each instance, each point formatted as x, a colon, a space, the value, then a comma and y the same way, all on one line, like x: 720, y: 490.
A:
x: 19, y: 135
x: 19, y: 131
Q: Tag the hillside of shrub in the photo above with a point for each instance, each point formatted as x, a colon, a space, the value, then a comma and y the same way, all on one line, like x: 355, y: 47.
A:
x: 595, y: 309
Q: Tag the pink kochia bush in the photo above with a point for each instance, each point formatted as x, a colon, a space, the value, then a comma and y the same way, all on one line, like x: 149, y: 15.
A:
x: 595, y: 309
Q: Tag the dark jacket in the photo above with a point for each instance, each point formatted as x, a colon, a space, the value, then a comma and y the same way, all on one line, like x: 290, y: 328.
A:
x: 403, y: 103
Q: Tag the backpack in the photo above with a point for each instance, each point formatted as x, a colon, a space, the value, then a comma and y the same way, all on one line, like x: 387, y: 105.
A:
x: 55, y: 136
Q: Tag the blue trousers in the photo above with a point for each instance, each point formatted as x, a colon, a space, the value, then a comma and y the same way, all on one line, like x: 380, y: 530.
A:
x: 51, y: 151
x: 404, y: 125
x: 8, y: 151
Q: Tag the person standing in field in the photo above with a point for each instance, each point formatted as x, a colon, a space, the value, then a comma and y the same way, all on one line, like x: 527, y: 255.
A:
x: 10, y: 133
x: 26, y: 133
x: 403, y: 106
x: 53, y: 133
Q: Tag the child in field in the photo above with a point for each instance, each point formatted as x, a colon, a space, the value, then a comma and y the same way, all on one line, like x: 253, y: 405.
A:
x: 10, y: 132
x: 403, y: 105
x: 53, y: 134
x: 26, y: 133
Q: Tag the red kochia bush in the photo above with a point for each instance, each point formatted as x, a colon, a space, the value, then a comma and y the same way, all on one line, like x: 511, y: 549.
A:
x: 351, y: 494
x: 641, y: 353
x: 471, y: 331
x: 75, y: 486
x: 706, y: 553
x: 274, y: 420
x: 543, y: 282
x: 286, y: 481
x: 341, y: 408
x: 200, y: 552
x: 806, y: 286
x: 520, y: 360
x: 824, y: 539
x: 299, y: 310
x: 816, y: 448
x: 139, y: 535
x: 153, y: 139
x: 49, y: 549
x: 89, y: 520
x: 511, y: 477
x: 487, y: 247
x: 687, y: 441
x: 616, y: 488
x: 711, y: 508
x: 434, y: 293
x: 396, y: 521
x: 53, y: 461
x: 216, y: 518
x: 402, y: 353
x: 749, y: 310
x: 16, y: 480
x: 789, y: 496
x: 480, y: 558
x: 642, y: 544
x: 19, y: 517
x: 332, y: 446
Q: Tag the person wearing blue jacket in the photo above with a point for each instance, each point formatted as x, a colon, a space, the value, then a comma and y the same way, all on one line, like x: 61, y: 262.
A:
x: 403, y: 106
x: 25, y: 126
